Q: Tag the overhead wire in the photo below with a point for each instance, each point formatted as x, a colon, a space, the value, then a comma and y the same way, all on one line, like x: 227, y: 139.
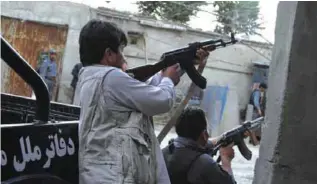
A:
x: 190, y: 8
x: 247, y: 45
x: 209, y: 12
x: 186, y: 6
x: 214, y: 59
x: 212, y: 13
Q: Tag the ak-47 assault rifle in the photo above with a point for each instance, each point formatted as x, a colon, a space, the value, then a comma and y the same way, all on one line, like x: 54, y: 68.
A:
x: 236, y: 136
x: 185, y: 57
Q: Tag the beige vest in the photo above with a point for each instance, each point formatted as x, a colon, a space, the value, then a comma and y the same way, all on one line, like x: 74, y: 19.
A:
x: 114, y: 146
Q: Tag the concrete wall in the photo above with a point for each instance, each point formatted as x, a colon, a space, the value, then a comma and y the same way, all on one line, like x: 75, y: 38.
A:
x: 229, y: 66
x: 226, y: 66
x: 288, y: 147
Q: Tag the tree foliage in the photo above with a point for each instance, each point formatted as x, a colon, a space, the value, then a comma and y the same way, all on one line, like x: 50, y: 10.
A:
x: 237, y: 17
x: 179, y: 11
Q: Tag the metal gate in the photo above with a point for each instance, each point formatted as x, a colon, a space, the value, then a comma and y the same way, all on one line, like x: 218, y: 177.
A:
x: 31, y: 39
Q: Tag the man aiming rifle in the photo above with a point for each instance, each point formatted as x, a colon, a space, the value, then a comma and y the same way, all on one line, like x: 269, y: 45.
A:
x: 189, y: 157
x: 117, y: 143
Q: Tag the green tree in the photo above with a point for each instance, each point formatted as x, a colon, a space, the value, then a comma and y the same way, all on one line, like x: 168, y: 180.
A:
x: 179, y: 11
x: 237, y: 17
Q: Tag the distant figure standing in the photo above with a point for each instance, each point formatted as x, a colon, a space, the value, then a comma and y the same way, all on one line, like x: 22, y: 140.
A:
x: 75, y: 73
x: 258, y: 100
x: 48, y: 71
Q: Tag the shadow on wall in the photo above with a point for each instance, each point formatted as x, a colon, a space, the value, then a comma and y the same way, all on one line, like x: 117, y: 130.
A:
x: 230, y: 117
x: 214, y: 102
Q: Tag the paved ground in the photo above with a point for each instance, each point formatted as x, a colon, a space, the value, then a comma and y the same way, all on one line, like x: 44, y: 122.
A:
x: 243, y: 169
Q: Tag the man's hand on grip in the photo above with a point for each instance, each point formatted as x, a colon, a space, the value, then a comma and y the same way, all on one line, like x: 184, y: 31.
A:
x: 201, y: 56
x: 173, y: 72
x: 227, y: 154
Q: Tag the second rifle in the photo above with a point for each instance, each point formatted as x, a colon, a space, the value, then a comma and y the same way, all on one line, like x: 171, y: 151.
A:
x: 237, y: 136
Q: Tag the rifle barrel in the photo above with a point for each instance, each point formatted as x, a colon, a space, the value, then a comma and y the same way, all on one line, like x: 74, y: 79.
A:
x: 257, y: 119
x: 254, y: 124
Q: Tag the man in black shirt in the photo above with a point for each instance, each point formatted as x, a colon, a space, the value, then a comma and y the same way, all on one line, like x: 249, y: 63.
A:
x: 186, y: 158
x: 75, y: 73
x: 258, y: 100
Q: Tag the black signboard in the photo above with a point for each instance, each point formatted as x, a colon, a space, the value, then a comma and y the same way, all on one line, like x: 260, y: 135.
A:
x: 19, y: 109
x: 39, y: 153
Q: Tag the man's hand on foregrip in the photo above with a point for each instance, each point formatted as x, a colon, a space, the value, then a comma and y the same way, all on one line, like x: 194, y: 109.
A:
x: 201, y: 56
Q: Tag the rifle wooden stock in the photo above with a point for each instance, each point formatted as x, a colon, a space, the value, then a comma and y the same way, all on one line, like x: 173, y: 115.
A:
x: 143, y: 73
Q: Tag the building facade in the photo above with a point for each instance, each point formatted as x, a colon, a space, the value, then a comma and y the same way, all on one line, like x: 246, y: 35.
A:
x: 148, y: 39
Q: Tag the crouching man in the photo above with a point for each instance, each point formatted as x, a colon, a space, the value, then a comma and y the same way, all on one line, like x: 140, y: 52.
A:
x: 186, y: 157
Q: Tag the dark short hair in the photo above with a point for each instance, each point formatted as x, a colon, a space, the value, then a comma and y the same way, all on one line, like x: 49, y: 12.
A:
x: 263, y: 85
x: 191, y: 123
x: 95, y: 37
